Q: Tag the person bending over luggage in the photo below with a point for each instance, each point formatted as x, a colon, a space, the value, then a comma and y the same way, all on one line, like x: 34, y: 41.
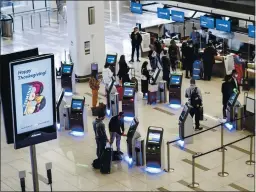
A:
x: 123, y: 70
x: 166, y: 68
x: 100, y: 133
x: 116, y: 129
x: 194, y: 96
x: 145, y: 77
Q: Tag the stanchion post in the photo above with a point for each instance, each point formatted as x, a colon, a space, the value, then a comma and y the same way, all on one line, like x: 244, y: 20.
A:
x: 22, y: 25
x: 57, y: 17
x: 168, y: 159
x: 251, y: 162
x: 223, y: 173
x: 34, y: 168
x: 40, y: 20
x: 49, y: 19
x: 193, y: 184
x: 31, y: 21
x: 222, y: 138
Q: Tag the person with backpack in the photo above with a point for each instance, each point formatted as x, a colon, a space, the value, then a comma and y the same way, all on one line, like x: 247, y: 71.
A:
x: 194, y: 96
x: 173, y: 54
x: 145, y: 77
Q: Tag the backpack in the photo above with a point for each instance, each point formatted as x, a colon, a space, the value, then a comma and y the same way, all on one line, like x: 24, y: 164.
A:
x: 195, y: 99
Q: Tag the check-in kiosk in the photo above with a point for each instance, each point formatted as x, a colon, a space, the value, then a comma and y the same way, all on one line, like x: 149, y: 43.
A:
x: 231, y: 112
x: 129, y: 103
x: 135, y: 145
x: 94, y: 70
x: 162, y: 95
x: 60, y: 105
x: 175, y: 89
x: 78, y: 116
x: 155, y: 77
x: 67, y: 78
x: 112, y: 99
x: 155, y: 148
x: 111, y: 59
x: 186, y: 124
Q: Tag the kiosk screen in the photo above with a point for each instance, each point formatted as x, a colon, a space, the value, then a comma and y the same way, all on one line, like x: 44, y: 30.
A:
x: 183, y: 113
x: 111, y: 59
x: 175, y: 80
x: 66, y: 69
x: 132, y: 129
x: 128, y: 91
x: 77, y: 105
x: 154, y: 137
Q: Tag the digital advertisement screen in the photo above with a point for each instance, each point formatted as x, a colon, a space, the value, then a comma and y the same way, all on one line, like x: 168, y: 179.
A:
x: 33, y: 95
x: 223, y: 25
x: 128, y: 91
x: 163, y: 13
x: 177, y: 16
x: 111, y: 59
x: 251, y: 31
x: 66, y: 69
x: 154, y: 137
x: 207, y: 22
x: 175, y: 79
x: 77, y: 105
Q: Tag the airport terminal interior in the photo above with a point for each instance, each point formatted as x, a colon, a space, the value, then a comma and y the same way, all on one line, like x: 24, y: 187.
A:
x: 219, y: 159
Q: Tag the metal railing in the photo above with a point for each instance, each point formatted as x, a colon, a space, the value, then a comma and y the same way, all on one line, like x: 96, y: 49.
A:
x: 223, y: 173
x: 169, y: 169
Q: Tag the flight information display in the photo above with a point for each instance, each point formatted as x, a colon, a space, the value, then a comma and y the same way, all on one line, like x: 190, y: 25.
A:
x: 111, y: 59
x: 77, y: 105
x: 128, y: 91
x: 66, y: 69
x: 154, y: 137
x: 175, y: 79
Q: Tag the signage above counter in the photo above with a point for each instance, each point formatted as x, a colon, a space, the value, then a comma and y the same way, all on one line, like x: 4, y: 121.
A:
x: 163, y: 13
x: 136, y: 8
x: 223, y: 25
x: 251, y: 31
x: 207, y: 22
x: 177, y: 16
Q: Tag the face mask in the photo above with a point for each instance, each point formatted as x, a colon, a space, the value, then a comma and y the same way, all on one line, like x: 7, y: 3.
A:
x: 236, y: 75
x: 190, y: 45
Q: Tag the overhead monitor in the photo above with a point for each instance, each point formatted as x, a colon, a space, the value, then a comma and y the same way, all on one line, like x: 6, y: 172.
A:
x: 223, y: 25
x: 136, y: 8
x: 178, y: 16
x: 163, y: 13
x: 154, y: 137
x: 77, y: 105
x: 251, y: 31
x: 33, y: 100
x: 67, y: 69
x: 111, y: 59
x: 128, y: 91
x: 207, y: 22
x: 175, y: 80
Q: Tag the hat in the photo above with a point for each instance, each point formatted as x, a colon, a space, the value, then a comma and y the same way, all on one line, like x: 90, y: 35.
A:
x: 121, y: 114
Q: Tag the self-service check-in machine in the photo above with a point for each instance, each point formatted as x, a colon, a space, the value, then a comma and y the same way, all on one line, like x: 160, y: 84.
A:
x: 60, y: 105
x: 175, y: 89
x: 111, y: 59
x: 129, y: 103
x: 186, y: 124
x: 155, y: 149
x: 78, y: 116
x: 155, y: 77
x: 112, y: 99
x: 94, y: 70
x: 135, y: 145
x: 67, y: 78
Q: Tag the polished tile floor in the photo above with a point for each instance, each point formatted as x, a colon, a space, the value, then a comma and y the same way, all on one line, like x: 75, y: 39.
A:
x: 72, y: 156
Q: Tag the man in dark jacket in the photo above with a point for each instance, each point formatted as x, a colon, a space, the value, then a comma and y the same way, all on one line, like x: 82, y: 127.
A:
x: 226, y: 90
x: 166, y: 68
x: 136, y: 41
x: 189, y: 58
x: 209, y: 60
x: 234, y: 83
x: 100, y: 134
x: 116, y: 129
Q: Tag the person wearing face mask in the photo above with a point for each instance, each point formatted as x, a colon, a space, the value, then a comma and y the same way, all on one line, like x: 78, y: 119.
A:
x: 209, y: 60
x: 189, y: 58
x: 195, y: 37
x: 234, y: 83
x: 136, y: 40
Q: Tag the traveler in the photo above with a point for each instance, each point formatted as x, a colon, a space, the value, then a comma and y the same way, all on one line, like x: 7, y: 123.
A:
x: 166, y: 68
x: 107, y: 75
x: 226, y: 90
x: 189, y: 58
x: 194, y: 96
x: 136, y: 40
x: 123, y: 70
x: 100, y: 133
x: 145, y: 77
x: 234, y: 83
x: 95, y: 86
x: 209, y: 60
x: 195, y: 37
x: 173, y: 54
x: 116, y: 129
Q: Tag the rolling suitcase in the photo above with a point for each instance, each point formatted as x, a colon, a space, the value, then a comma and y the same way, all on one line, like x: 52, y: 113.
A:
x: 96, y: 163
x: 134, y: 80
x: 106, y: 160
x: 119, y: 89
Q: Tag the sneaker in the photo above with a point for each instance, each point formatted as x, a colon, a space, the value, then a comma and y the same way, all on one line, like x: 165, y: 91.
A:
x: 138, y: 60
x: 198, y: 129
x: 224, y: 120
x: 131, y: 61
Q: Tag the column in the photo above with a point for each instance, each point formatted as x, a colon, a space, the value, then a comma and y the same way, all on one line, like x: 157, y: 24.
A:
x: 86, y: 41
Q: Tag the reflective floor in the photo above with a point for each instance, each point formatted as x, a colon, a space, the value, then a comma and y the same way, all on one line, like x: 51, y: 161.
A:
x: 72, y: 156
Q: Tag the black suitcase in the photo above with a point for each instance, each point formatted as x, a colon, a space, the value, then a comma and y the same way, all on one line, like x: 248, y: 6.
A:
x: 106, y: 160
x: 96, y: 163
x: 134, y: 80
